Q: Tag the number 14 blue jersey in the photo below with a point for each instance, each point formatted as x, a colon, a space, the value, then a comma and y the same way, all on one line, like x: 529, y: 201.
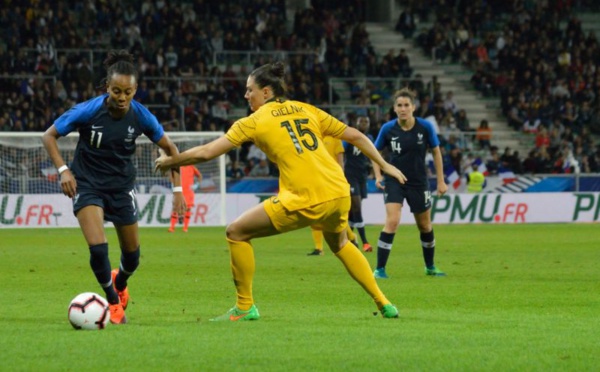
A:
x: 407, y: 148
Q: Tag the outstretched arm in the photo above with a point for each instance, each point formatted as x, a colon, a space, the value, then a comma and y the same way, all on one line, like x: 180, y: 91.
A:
x: 378, y: 176
x: 365, y: 145
x: 198, y: 154
x: 168, y: 148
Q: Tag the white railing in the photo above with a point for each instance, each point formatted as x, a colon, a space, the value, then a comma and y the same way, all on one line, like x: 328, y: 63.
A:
x: 252, y: 58
x: 468, y: 141
x: 386, y: 85
x: 372, y: 111
x: 90, y: 54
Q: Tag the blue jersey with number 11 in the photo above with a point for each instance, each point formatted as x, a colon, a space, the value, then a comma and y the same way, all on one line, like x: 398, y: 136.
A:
x: 103, y: 157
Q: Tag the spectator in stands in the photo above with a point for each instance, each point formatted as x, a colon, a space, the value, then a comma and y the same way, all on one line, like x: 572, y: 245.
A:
x: 434, y: 88
x: 455, y: 156
x: 530, y: 163
x: 425, y: 108
x: 255, y: 154
x: 475, y: 180
x: 449, y: 103
x: 448, y: 125
x: 462, y: 121
x: 402, y: 63
x: 568, y: 114
x: 484, y: 135
x: 542, y: 137
x: 492, y: 161
x: 508, y: 160
x: 234, y: 171
x: 260, y: 169
x: 418, y: 86
x: 516, y: 116
x: 543, y: 161
x: 532, y: 122
x: 406, y: 23
x: 4, y: 125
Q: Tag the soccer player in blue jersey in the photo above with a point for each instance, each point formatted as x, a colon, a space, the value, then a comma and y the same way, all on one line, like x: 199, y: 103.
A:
x: 356, y: 170
x: 101, y: 177
x: 407, y: 140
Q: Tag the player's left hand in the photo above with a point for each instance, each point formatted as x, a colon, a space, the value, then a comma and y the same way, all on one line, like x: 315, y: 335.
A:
x: 179, y: 205
x: 159, y: 163
x: 394, y: 172
x: 442, y: 188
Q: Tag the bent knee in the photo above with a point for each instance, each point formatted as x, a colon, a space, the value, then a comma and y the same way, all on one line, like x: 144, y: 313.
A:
x: 391, y: 224
x: 425, y: 228
x: 232, y: 232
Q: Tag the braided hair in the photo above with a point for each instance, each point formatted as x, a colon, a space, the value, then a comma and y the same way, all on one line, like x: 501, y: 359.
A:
x: 119, y: 62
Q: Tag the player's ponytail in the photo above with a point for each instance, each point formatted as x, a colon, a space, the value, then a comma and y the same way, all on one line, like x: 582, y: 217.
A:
x: 119, y: 62
x: 271, y: 75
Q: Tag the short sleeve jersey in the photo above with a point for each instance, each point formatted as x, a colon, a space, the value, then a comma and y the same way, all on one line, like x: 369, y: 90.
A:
x: 357, y: 164
x: 188, y: 172
x: 291, y: 134
x: 106, y: 146
x: 407, y: 148
x: 334, y: 146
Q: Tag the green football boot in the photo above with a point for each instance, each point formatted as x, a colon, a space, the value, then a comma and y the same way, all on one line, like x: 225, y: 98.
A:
x: 234, y: 314
x: 389, y: 311
x: 434, y: 271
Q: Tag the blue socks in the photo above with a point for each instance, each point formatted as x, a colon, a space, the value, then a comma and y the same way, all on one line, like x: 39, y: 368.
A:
x: 101, y: 267
x: 428, y: 244
x: 129, y: 262
x: 384, y: 247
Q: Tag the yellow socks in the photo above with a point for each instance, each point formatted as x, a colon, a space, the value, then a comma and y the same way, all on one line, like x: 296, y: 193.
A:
x: 359, y: 268
x: 351, y: 234
x: 317, y: 238
x: 242, y: 268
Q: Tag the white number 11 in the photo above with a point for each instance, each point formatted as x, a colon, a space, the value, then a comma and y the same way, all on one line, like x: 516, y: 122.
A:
x: 98, y: 141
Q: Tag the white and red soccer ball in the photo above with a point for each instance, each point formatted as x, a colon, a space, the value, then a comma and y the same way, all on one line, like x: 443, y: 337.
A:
x: 89, y: 311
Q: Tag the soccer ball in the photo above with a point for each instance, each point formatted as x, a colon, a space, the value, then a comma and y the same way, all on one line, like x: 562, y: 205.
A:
x: 89, y: 311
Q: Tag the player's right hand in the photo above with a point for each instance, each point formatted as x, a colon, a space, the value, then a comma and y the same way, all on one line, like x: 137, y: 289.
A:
x: 68, y: 183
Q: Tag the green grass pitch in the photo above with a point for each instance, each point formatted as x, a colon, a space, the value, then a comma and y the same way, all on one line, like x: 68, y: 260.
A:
x: 517, y: 298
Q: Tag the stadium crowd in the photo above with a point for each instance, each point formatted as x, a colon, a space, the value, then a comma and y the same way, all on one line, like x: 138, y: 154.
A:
x: 537, y: 60
x: 193, y: 79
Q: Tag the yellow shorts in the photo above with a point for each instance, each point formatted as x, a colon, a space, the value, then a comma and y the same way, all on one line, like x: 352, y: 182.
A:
x: 330, y: 216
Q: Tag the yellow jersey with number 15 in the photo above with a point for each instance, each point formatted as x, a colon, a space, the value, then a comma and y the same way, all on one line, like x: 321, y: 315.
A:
x: 334, y: 147
x: 291, y: 134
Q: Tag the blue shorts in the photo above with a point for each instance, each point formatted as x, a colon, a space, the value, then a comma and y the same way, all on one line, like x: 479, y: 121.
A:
x: 358, y: 187
x: 120, y: 207
x: 418, y: 199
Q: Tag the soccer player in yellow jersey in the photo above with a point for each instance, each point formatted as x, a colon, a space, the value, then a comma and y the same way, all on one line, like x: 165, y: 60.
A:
x: 312, y: 186
x: 336, y: 150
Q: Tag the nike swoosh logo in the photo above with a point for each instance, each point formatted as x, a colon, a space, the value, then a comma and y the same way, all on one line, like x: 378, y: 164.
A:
x: 233, y: 318
x: 97, y: 126
x: 395, y: 138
